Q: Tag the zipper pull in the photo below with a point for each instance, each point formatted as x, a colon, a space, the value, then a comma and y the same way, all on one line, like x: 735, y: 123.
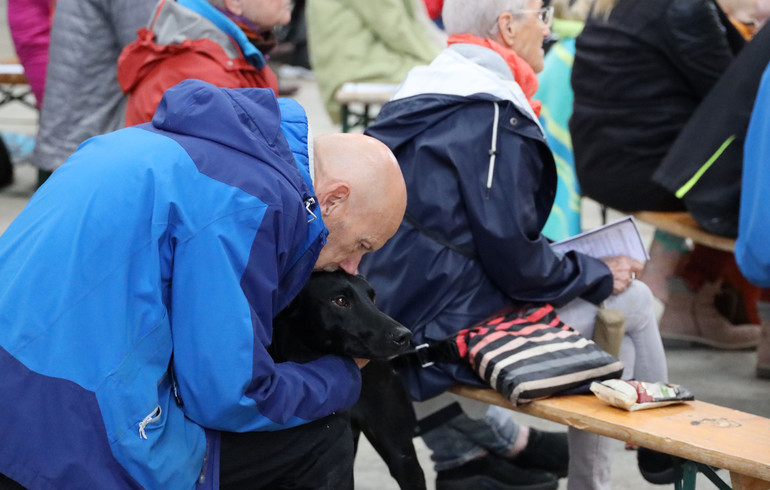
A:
x: 310, y: 201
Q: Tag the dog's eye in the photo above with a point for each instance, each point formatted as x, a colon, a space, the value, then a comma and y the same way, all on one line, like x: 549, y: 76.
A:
x: 341, y: 301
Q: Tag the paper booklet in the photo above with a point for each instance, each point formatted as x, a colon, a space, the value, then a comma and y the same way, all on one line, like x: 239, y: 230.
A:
x: 620, y: 237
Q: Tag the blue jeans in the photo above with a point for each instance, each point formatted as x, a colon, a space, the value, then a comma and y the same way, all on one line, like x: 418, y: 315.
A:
x: 464, y: 437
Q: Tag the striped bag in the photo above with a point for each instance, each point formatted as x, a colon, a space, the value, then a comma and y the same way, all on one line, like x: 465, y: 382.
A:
x: 527, y: 354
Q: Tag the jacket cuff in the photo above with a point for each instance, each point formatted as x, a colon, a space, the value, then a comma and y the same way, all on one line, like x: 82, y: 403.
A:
x: 602, y: 289
x: 349, y: 387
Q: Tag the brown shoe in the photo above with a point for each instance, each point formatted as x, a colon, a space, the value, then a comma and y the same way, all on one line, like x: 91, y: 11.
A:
x: 763, y: 353
x: 693, y: 318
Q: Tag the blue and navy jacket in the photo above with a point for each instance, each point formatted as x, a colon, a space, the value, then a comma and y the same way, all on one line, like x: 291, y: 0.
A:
x: 752, y: 249
x: 480, y: 183
x: 137, y: 292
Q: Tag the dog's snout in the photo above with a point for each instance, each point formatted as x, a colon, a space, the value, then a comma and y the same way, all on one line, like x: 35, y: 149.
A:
x: 401, y: 337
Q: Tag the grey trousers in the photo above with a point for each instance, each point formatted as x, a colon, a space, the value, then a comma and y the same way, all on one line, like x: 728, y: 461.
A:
x: 644, y: 359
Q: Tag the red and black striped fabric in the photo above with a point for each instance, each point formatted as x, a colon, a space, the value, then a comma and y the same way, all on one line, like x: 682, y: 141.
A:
x: 527, y: 354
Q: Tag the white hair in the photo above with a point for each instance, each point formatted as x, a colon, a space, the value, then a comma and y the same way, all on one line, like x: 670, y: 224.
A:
x: 477, y: 17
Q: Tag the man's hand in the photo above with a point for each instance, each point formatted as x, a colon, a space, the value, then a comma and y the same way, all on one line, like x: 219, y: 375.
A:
x: 624, y: 271
x: 361, y: 362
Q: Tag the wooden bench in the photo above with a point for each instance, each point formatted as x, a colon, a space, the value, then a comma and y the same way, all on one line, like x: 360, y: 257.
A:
x: 364, y: 95
x: 683, y: 225
x: 14, y: 85
x: 700, y: 433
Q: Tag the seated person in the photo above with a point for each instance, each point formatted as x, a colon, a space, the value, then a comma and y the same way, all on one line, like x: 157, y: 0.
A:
x: 82, y: 95
x: 481, y: 182
x: 555, y: 93
x: 641, y: 69
x: 138, y: 289
x: 223, y: 42
x: 375, y: 42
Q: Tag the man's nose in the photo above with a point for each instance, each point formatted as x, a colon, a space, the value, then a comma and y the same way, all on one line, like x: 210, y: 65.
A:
x: 350, y: 265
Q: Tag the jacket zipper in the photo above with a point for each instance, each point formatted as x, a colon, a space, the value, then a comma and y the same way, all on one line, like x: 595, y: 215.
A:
x: 202, y: 475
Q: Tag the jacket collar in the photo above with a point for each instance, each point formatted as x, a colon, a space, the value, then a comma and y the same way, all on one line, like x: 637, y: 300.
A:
x: 467, y: 70
x: 213, y: 24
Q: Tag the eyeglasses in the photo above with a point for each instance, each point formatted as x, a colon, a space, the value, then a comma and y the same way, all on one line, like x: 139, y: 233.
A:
x: 545, y: 14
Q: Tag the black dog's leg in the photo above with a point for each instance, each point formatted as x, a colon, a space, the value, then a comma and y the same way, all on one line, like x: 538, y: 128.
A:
x: 384, y: 414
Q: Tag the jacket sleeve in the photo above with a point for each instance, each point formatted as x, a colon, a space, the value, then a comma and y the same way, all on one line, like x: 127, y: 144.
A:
x: 223, y: 290
x: 506, y: 220
x: 699, y: 43
x: 752, y: 249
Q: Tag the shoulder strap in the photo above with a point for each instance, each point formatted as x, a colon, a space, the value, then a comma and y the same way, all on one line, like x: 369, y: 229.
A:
x: 438, y: 238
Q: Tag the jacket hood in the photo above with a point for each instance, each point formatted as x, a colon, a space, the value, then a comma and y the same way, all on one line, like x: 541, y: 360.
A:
x: 462, y: 74
x: 401, y: 120
x: 248, y: 120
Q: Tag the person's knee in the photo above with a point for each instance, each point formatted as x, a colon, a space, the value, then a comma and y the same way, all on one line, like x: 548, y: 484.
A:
x: 636, y: 299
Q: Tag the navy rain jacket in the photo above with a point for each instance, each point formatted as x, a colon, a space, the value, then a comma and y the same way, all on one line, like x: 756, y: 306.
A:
x: 441, y: 126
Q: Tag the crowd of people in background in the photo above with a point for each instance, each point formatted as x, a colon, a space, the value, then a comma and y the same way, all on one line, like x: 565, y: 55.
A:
x: 508, y: 113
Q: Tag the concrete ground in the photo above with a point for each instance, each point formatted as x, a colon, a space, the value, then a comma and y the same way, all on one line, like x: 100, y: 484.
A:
x: 721, y: 377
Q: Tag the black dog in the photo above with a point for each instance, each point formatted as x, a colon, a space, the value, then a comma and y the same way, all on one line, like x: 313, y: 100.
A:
x: 335, y: 314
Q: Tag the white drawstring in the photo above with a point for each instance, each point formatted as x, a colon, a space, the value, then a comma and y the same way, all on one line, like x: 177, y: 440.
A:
x: 493, y: 149
x: 153, y: 417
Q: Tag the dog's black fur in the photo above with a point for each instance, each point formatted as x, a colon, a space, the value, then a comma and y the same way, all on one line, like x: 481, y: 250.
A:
x: 335, y: 314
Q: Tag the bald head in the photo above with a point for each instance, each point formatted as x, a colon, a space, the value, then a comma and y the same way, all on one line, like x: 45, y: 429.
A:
x: 362, y: 196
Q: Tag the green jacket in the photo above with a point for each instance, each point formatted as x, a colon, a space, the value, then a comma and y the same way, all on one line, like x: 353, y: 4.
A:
x: 376, y: 42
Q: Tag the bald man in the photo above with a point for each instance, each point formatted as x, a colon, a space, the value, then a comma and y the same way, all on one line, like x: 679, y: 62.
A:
x: 138, y: 288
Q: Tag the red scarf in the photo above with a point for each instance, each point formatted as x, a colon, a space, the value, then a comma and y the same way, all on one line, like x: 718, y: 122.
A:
x: 522, y: 72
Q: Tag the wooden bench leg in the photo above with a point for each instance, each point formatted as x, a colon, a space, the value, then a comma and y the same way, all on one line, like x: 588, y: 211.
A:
x: 365, y: 118
x: 42, y: 176
x: 688, y: 471
x: 344, y: 115
x: 743, y: 482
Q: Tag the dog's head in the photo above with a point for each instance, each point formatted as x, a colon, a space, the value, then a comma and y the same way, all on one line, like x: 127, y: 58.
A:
x: 335, y: 314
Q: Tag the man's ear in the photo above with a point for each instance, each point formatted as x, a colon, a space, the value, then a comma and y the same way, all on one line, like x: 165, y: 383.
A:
x: 234, y: 6
x: 334, y: 198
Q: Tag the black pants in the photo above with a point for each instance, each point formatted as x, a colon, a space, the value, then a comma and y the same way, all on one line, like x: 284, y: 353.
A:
x: 316, y: 456
x: 8, y: 484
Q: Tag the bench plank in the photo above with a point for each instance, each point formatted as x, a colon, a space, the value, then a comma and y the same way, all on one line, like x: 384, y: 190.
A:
x: 11, y: 72
x: 695, y: 430
x: 682, y: 224
x: 365, y: 93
